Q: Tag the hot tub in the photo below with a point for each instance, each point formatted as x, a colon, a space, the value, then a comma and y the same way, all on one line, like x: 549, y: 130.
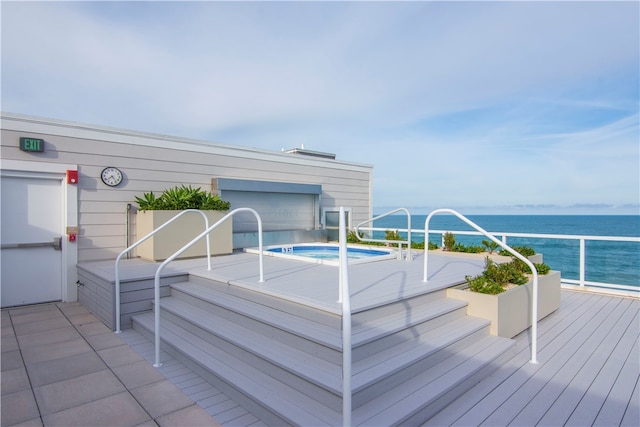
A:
x: 326, y: 253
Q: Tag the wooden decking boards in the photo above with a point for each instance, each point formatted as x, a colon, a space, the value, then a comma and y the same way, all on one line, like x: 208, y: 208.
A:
x: 216, y: 403
x: 612, y: 397
x: 409, y: 332
x: 588, y: 370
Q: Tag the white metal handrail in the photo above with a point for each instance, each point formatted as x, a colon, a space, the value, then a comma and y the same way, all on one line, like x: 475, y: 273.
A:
x: 581, y: 281
x: 156, y: 283
x: 399, y: 242
x: 534, y: 298
x: 148, y: 236
x: 345, y: 299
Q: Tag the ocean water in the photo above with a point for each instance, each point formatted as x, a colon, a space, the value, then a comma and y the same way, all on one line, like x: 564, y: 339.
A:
x: 608, y: 262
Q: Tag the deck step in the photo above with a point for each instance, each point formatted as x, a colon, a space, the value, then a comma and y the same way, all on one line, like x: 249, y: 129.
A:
x: 408, y: 305
x: 264, y: 297
x: 430, y: 314
x: 268, y: 395
x: 372, y: 377
x: 276, y: 360
x: 373, y: 328
x: 420, y: 397
x: 303, y: 371
x: 306, y: 323
x: 380, y: 337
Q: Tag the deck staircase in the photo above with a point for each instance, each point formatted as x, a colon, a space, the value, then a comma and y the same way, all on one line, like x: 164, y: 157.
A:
x: 282, y: 360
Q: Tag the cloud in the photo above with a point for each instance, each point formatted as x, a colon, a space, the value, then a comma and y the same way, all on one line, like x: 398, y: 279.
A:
x: 594, y: 164
x: 453, y: 102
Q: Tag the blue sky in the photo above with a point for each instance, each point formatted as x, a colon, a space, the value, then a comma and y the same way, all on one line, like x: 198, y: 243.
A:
x: 487, y: 107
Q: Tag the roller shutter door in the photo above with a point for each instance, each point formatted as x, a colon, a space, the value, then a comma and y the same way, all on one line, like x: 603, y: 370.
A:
x: 279, y: 211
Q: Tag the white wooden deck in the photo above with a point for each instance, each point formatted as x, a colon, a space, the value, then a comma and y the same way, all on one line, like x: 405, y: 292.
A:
x: 371, y: 284
x: 588, y: 370
x: 211, y: 399
x: 589, y: 360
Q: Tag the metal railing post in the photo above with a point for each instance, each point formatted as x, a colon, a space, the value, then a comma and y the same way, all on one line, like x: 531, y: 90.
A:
x: 582, y: 263
x: 345, y: 298
x: 156, y: 316
x: 534, y: 272
x: 156, y: 283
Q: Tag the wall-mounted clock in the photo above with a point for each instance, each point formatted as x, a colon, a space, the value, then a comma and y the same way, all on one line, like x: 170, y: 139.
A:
x: 111, y: 176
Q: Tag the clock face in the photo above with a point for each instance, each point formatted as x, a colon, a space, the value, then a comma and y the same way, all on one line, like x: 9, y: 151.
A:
x: 111, y: 176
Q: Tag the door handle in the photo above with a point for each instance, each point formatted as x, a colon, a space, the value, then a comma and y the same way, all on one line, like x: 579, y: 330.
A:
x: 56, y: 244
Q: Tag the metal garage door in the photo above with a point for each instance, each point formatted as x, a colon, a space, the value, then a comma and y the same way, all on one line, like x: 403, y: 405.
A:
x: 281, y: 205
x: 279, y: 211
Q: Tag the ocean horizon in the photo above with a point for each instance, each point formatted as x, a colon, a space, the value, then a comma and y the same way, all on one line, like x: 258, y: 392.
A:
x: 606, y: 261
x: 586, y: 209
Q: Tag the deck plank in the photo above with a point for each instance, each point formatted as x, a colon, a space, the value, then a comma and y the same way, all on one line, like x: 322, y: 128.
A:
x: 246, y: 420
x: 603, y: 389
x: 560, y: 368
x: 233, y: 413
x: 572, y: 384
x: 583, y: 397
x: 632, y: 413
x: 618, y: 405
x: 583, y: 321
x: 481, y: 401
x: 371, y: 284
x: 212, y: 400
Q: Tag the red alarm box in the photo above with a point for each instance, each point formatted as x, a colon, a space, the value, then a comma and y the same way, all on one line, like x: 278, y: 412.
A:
x: 72, y: 177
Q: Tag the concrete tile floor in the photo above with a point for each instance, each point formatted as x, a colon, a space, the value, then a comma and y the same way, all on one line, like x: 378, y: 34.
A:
x: 62, y: 367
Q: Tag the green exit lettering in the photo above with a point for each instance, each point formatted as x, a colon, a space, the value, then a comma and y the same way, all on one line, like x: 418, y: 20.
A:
x: 31, y: 144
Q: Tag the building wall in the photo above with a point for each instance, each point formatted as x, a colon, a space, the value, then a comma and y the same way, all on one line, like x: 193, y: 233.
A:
x: 155, y: 162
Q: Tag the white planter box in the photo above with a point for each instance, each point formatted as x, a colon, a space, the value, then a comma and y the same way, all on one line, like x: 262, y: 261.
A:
x: 536, y: 259
x: 510, y: 312
x: 170, y: 239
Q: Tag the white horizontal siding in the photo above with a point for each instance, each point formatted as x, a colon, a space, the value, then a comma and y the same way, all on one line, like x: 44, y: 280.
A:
x: 53, y: 128
x: 101, y: 206
x: 101, y: 230
x: 155, y: 162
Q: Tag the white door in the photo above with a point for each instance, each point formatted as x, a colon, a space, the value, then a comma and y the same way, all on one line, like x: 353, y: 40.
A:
x: 31, y: 231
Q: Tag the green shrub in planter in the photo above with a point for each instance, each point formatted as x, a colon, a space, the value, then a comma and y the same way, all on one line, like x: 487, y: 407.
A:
x: 181, y: 198
x: 496, y: 277
x: 156, y: 211
x: 490, y: 245
x: 449, y: 241
x: 525, y: 251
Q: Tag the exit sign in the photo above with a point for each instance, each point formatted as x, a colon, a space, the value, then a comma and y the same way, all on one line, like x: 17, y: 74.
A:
x: 31, y: 144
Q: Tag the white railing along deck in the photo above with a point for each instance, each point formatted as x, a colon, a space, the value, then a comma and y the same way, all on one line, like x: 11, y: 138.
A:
x: 156, y: 284
x: 345, y: 298
x: 399, y: 242
x: 145, y: 238
x: 534, y: 297
x: 581, y: 282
